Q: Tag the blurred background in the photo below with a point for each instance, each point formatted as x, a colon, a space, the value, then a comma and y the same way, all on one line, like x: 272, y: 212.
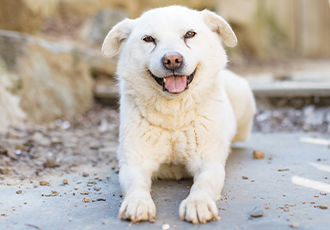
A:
x: 51, y: 67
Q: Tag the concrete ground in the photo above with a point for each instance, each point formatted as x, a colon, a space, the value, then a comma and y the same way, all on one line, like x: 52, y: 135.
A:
x: 293, y: 180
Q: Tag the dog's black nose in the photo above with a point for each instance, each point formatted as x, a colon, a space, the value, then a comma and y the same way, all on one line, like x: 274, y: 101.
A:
x: 172, y: 61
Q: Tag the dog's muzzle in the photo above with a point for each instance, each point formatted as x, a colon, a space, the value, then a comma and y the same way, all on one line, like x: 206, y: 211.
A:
x: 173, y: 81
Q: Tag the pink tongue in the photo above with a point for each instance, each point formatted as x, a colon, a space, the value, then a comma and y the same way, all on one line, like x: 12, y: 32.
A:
x: 176, y: 84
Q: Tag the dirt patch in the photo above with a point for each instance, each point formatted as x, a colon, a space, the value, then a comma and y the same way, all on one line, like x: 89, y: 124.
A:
x: 88, y: 139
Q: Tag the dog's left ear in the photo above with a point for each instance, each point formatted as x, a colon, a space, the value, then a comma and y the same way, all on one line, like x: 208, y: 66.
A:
x: 220, y: 26
x: 119, y: 33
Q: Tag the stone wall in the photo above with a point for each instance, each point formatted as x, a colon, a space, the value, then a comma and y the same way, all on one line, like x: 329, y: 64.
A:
x: 43, y: 81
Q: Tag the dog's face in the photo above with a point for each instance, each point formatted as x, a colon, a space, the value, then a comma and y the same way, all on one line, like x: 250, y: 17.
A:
x: 170, y: 50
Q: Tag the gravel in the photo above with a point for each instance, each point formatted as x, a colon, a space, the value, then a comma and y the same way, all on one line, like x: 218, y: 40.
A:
x: 92, y: 138
x: 288, y: 119
x: 61, y: 146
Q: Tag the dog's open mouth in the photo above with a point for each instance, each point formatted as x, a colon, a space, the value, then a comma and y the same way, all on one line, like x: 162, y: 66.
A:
x: 174, y: 83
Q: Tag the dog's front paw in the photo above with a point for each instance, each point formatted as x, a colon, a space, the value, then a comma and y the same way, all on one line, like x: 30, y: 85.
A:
x: 198, y: 208
x: 138, y: 209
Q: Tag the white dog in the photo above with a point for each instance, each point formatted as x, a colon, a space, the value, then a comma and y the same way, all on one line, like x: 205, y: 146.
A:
x: 179, y: 110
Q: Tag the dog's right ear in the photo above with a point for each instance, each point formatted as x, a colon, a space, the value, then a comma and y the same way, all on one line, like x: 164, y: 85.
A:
x: 115, y: 37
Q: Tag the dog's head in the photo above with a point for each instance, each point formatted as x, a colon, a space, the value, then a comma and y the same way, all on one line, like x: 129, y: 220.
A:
x: 171, y: 50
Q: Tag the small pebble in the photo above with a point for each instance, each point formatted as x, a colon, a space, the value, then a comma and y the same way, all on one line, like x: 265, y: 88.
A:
x: 257, y: 212
x: 165, y: 227
x: 245, y: 177
x: 323, y: 206
x: 85, y: 174
x: 84, y: 193
x: 294, y: 225
x: 4, y: 171
x: 19, y: 191
x: 266, y: 207
x: 65, y: 181
x: 43, y: 183
x: 86, y: 200
x: 280, y: 170
x: 258, y: 154
x: 75, y: 188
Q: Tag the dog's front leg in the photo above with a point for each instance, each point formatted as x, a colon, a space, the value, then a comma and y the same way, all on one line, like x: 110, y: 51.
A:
x: 135, y: 182
x: 200, y: 206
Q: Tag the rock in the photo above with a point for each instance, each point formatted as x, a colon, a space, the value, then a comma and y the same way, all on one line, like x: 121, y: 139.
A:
x: 62, y: 74
x: 11, y: 112
x: 12, y: 133
x: 263, y: 116
x: 40, y: 139
x: 8, y: 151
x: 327, y: 117
x: 56, y: 141
x: 20, y: 15
x: 313, y: 116
x: 58, y: 73
x: 258, y: 154
x: 104, y: 126
x: 106, y: 90
x: 294, y: 225
x: 51, y: 164
x: 256, y: 212
x: 165, y: 227
x: 43, y: 183
x: 3, y: 150
x: 95, y: 145
x: 97, y: 28
x: 4, y: 171
x: 84, y: 193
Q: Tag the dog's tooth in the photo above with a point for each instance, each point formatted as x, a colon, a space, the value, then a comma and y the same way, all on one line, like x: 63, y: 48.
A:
x: 164, y: 79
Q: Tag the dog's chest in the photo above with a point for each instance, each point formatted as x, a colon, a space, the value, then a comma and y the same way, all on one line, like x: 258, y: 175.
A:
x: 187, y: 144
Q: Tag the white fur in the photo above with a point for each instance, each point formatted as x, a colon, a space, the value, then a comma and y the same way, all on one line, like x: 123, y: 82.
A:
x: 173, y: 136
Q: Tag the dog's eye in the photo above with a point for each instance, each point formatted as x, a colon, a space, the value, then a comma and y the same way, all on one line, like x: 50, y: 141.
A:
x: 148, y: 38
x: 190, y: 34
